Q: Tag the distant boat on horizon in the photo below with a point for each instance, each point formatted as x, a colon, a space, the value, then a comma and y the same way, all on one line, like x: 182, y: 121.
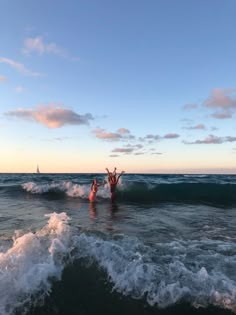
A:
x: 38, y: 171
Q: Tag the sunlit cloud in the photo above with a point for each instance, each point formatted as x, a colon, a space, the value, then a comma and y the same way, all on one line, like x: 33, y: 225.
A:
x: 39, y: 46
x: 123, y: 130
x: 2, y: 78
x: 19, y: 67
x: 196, y: 127
x: 120, y: 134
x: 221, y: 98
x: 224, y: 100
x: 52, y: 116
x: 211, y: 139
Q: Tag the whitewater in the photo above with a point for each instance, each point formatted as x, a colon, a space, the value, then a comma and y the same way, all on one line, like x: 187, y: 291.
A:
x: 166, y: 246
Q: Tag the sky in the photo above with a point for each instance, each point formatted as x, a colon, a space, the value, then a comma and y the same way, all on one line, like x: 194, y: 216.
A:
x: 147, y: 86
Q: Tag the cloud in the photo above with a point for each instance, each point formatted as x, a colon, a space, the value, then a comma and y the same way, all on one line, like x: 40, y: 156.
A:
x: 123, y: 130
x: 37, y: 45
x: 190, y: 106
x: 196, y: 127
x: 221, y: 98
x: 211, y: 139
x: 2, y: 78
x: 151, y: 138
x: 224, y: 100
x: 127, y: 149
x: 52, y: 116
x: 19, y: 67
x: 120, y: 134
x: 123, y: 150
x: 171, y: 136
x: 222, y: 115
x: 20, y: 89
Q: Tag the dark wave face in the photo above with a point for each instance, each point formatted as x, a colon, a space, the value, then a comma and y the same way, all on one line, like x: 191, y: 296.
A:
x: 144, y: 189
x: 166, y: 246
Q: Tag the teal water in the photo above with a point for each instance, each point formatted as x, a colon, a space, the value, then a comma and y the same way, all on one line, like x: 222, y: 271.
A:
x: 166, y: 246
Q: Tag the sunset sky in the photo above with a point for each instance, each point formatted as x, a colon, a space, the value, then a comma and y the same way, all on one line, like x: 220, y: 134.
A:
x: 146, y: 86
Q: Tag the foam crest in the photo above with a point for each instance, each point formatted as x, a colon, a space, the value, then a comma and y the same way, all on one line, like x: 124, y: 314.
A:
x: 168, y: 274
x: 34, y: 258
x: 66, y: 187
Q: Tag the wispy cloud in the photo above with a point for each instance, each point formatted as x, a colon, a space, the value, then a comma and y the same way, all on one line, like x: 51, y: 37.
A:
x: 151, y: 138
x: 171, y: 136
x: 123, y: 150
x: 20, y: 89
x: 211, y: 139
x: 39, y: 46
x: 52, y: 116
x: 223, y: 115
x: 190, y: 106
x: 120, y: 134
x: 196, y: 127
x: 128, y: 149
x: 19, y: 67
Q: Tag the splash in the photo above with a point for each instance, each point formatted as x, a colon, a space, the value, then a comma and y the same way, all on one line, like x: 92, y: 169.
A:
x: 34, y: 259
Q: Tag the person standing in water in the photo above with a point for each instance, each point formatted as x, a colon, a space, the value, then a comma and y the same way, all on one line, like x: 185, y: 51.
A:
x: 113, y: 181
x: 94, y: 189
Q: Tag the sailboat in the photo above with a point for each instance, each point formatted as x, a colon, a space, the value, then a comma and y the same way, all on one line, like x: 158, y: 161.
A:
x: 37, y: 171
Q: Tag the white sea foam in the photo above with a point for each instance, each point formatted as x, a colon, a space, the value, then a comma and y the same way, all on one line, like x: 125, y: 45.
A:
x: 34, y: 258
x: 67, y: 187
x: 170, y: 273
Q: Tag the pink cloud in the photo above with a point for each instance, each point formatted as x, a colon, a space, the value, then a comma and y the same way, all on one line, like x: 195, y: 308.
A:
x: 120, y: 134
x: 19, y: 67
x: 106, y: 135
x: 221, y: 98
x: 123, y: 130
x: 199, y: 127
x: 52, y: 116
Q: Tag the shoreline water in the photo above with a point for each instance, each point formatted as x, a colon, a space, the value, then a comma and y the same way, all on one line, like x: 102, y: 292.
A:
x: 167, y: 246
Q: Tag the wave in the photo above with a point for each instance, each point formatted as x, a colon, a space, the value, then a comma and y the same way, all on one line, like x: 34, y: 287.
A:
x: 33, y: 260
x: 198, y: 272
x: 141, y: 192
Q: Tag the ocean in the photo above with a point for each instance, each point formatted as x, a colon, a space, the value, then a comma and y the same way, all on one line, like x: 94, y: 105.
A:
x: 167, y: 245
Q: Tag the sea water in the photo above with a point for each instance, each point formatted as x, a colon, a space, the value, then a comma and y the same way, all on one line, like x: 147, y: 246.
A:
x: 166, y: 246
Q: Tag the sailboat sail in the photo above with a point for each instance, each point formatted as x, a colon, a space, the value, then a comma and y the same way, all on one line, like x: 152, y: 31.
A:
x: 38, y: 169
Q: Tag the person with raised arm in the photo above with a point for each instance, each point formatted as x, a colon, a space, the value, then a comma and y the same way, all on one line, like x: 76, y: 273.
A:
x: 113, y: 180
x: 94, y: 189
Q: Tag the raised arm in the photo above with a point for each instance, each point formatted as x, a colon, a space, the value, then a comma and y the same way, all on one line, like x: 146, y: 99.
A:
x: 119, y: 176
